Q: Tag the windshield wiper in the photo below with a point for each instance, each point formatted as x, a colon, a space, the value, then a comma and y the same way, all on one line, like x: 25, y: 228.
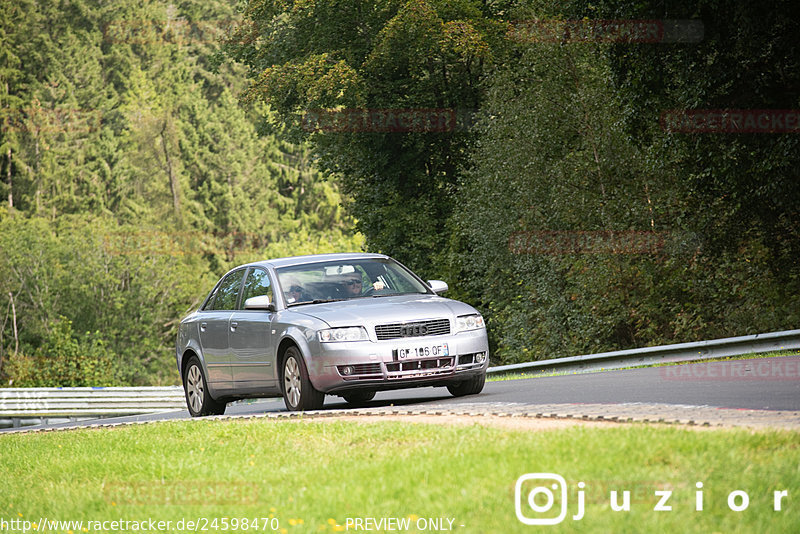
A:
x: 316, y: 301
x: 397, y: 294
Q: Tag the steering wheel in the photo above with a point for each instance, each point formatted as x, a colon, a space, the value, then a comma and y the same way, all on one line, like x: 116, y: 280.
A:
x: 372, y: 290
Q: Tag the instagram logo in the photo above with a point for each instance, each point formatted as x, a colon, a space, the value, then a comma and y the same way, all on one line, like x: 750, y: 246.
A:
x: 541, y: 498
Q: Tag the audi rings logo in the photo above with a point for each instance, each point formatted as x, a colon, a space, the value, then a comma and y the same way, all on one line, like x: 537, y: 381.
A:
x: 413, y: 330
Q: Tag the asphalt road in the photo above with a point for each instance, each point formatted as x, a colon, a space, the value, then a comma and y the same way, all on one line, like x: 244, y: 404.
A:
x: 757, y: 384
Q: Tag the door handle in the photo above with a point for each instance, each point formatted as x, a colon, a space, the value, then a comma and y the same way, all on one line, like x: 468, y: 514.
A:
x: 234, y: 324
x: 203, y: 327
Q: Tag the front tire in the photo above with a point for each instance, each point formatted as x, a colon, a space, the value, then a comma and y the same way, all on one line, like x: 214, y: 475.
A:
x: 358, y: 398
x: 198, y: 398
x: 470, y: 386
x: 298, y: 392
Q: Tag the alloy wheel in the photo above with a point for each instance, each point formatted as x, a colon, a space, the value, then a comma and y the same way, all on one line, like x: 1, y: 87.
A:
x: 291, y: 380
x: 195, y: 388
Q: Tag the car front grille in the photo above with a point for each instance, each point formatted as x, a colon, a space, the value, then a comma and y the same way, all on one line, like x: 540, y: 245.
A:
x: 435, y: 327
x: 420, y: 368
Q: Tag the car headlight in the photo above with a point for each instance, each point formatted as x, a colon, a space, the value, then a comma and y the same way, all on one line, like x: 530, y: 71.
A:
x: 351, y: 333
x: 469, y: 322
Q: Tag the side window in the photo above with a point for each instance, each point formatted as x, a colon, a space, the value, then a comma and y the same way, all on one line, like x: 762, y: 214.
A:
x: 257, y: 284
x: 225, y: 298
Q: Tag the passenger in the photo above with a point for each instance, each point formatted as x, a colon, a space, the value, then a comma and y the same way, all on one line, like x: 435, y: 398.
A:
x: 296, y: 293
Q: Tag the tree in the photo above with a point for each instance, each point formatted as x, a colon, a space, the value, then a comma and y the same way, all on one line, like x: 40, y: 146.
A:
x: 325, y: 61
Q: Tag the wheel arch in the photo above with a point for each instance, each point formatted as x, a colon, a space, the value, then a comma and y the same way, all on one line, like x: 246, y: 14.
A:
x: 293, y: 336
x: 185, y: 357
x: 187, y: 348
x: 284, y: 345
x: 309, y: 398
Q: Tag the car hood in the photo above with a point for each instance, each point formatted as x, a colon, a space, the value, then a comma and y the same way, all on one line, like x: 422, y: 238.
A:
x: 370, y: 311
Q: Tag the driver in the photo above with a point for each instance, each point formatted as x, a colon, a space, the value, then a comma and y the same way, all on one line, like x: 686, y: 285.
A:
x: 352, y: 284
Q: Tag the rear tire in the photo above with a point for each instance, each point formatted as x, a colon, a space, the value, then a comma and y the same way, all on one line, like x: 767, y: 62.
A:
x: 198, y: 398
x: 470, y: 386
x: 358, y: 398
x: 298, y: 392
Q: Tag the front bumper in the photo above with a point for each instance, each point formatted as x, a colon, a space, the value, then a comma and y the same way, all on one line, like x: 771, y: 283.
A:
x: 374, y: 365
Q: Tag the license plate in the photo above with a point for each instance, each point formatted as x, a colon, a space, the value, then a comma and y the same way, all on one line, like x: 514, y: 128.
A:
x: 423, y: 351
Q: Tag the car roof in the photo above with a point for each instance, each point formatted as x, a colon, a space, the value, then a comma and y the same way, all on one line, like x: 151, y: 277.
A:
x: 317, y: 258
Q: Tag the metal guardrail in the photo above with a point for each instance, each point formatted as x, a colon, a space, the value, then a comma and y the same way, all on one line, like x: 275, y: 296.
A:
x: 40, y: 405
x: 680, y: 352
x: 37, y: 405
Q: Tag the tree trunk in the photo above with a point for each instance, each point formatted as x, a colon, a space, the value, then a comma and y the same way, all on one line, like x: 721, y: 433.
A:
x: 14, y: 323
x: 37, y: 175
x: 173, y: 179
x: 10, y: 185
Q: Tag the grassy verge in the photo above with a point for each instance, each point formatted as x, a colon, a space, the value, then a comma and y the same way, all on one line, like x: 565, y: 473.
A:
x: 751, y: 356
x: 313, y: 476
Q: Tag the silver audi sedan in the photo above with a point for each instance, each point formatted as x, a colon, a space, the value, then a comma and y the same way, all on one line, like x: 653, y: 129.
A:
x: 329, y: 324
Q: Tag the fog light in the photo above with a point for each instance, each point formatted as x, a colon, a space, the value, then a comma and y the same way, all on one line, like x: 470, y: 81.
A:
x: 480, y: 357
x: 347, y: 370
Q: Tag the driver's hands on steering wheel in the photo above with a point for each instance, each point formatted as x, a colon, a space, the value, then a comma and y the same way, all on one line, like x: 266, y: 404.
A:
x: 377, y: 286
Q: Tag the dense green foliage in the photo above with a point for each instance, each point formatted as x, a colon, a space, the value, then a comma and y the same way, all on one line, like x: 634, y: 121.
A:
x: 562, y: 161
x: 568, y: 213
x: 66, y: 360
x: 131, y: 180
x: 748, y: 58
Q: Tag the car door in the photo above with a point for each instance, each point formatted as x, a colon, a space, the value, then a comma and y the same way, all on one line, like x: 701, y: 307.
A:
x: 251, y: 338
x: 214, y: 325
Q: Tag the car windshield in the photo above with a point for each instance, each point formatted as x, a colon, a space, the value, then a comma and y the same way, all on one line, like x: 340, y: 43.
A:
x: 348, y: 279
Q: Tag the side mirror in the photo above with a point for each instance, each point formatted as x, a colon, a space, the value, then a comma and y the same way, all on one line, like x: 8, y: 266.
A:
x: 437, y: 286
x: 259, y: 303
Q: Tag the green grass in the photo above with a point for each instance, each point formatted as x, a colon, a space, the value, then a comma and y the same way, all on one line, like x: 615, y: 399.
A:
x: 311, y: 476
x: 751, y: 356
